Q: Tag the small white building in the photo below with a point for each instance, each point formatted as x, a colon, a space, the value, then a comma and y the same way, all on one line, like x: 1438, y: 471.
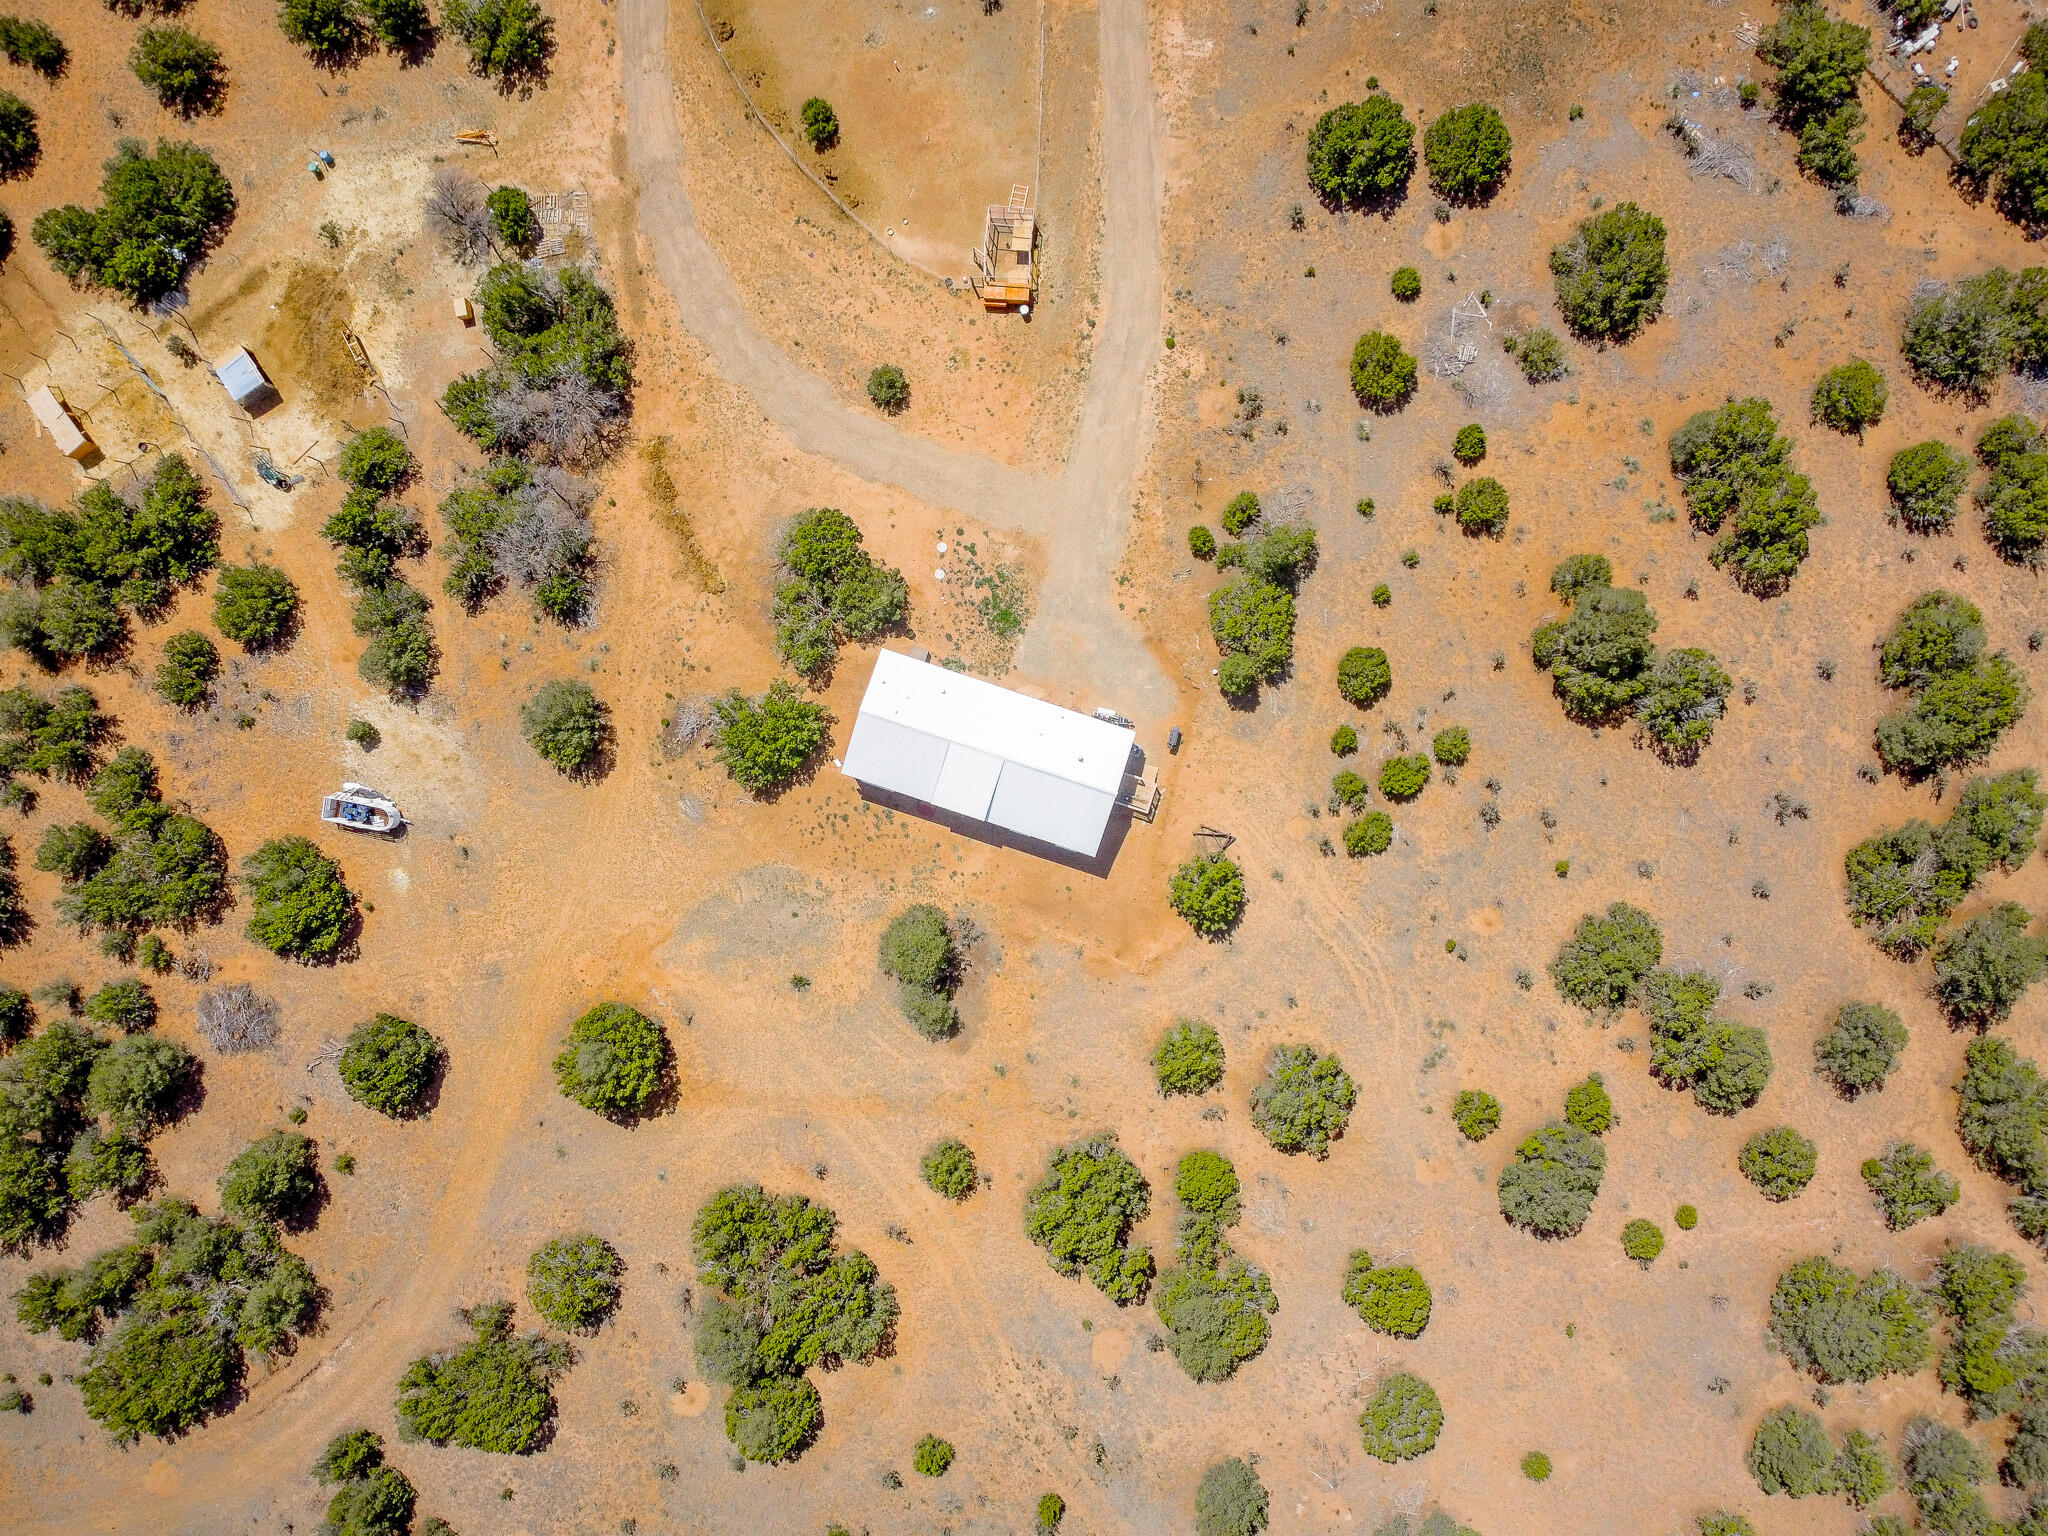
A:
x: 246, y: 383
x: 988, y: 754
x: 54, y: 417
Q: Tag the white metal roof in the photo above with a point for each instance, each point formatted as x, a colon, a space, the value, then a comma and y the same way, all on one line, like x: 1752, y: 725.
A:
x: 987, y: 753
x: 240, y: 376
x: 52, y: 417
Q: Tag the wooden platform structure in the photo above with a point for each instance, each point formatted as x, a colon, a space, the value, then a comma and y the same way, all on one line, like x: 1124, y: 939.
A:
x: 1006, y: 262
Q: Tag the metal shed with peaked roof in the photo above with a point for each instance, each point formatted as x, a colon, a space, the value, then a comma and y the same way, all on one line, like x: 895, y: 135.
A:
x: 244, y: 380
x: 988, y: 753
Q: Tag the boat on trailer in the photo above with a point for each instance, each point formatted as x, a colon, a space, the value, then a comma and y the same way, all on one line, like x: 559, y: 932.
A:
x: 361, y: 809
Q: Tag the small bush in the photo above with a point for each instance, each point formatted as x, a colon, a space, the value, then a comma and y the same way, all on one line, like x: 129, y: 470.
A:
x: 184, y: 70
x: 831, y: 590
x: 889, y: 389
x: 1305, y: 1100
x: 389, y: 1064
x: 1536, y: 1467
x: 1476, y: 1113
x: 567, y: 725
x: 821, y: 124
x: 1208, y: 890
x: 764, y: 743
x: 1611, y: 275
x: 1851, y: 397
x: 1402, y: 1420
x: 2015, y: 498
x: 1252, y: 621
x: 1542, y: 356
x: 512, y: 216
x: 123, y: 1005
x: 773, y: 1419
x: 1082, y: 1209
x: 1961, y: 338
x: 1841, y: 1327
x: 1606, y: 958
x: 1467, y: 151
x: 1382, y: 595
x: 1364, y: 675
x: 1687, y: 1218
x: 1549, y: 1187
x: 509, y: 41
x: 1452, y: 747
x: 33, y: 44
x: 1051, y: 1510
x: 932, y: 1456
x: 1188, y: 1058
x: 1739, y: 483
x: 949, y: 1169
x: 1403, y: 778
x: 1201, y: 543
x: 1230, y: 1501
x: 299, y: 906
x: 135, y: 1081
x: 1370, y: 834
x: 1361, y: 152
x: 490, y: 1395
x: 189, y: 667
x: 613, y: 1062
x: 1382, y: 375
x: 1469, y: 446
x: 1642, y: 1241
x: 1790, y: 1454
x: 1925, y: 481
x: 1406, y: 284
x: 1389, y: 1299
x: 1907, y: 1185
x: 1482, y: 506
x: 1343, y: 741
x: 1778, y: 1162
x: 254, y: 605
x: 573, y: 1282
x: 273, y: 1179
x: 1242, y: 512
x: 1861, y: 1048
x: 1588, y: 1106
x: 1981, y: 972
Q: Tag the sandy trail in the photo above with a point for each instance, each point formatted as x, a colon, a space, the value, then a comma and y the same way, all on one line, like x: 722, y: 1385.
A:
x: 1078, y: 640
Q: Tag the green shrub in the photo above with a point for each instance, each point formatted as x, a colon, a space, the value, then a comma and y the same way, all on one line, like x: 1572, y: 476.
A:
x: 76, y: 852
x: 2003, y: 1111
x: 773, y: 1419
x: 158, y: 214
x: 1051, y: 1510
x: 820, y: 122
x: 350, y: 1456
x: 765, y: 743
x: 390, y: 1064
x: 1188, y: 1058
x: 1739, y: 483
x: 1611, y: 275
x: 1905, y: 881
x: 2015, y: 498
x: 1844, y: 1328
x: 1469, y: 446
x: 1818, y: 59
x: 1208, y: 890
x: 1861, y: 1048
x: 189, y: 667
x: 1364, y: 675
x: 613, y: 1062
x: 1907, y: 1185
x: 1372, y: 833
x: 273, y: 1179
x: 1957, y: 718
x: 1212, y: 1304
x: 1343, y: 741
x: 831, y: 590
x: 1600, y: 657
x: 136, y: 1080
x: 1723, y: 1523
x: 1482, y: 506
x: 1282, y: 555
x: 1981, y: 972
x: 512, y: 216
x: 1081, y: 1210
x: 1600, y: 966
x: 1452, y: 747
x: 1850, y: 397
x: 1406, y: 284
x: 889, y: 389
x: 1779, y: 1162
x: 1942, y: 1470
x: 404, y: 26
x: 2001, y: 149
x: 1860, y: 1472
x: 300, y: 908
x: 573, y: 1282
x: 1536, y: 1467
x: 1382, y: 375
x: 1201, y: 543
x: 1925, y: 481
x: 1549, y: 1187
x: 33, y: 44
x: 1230, y: 1501
x: 1577, y: 574
x: 2026, y: 1454
x: 377, y: 460
x: 1305, y: 1100
x: 1541, y: 355
x: 184, y: 70
x: 1467, y: 151
x: 1959, y: 339
x: 1588, y: 1106
x: 255, y: 605
x: 379, y: 1503
x: 1790, y: 1454
x: 1361, y: 152
x: 1403, y: 778
x: 567, y: 725
x: 1642, y: 1241
x: 1402, y: 1420
x: 1827, y: 146
x: 949, y: 1169
x: 1685, y: 695
x: 509, y: 41
x: 932, y: 1456
x: 1242, y: 512
x: 492, y: 1394
x: 1392, y: 1299
x: 1476, y: 1114
x: 1253, y: 618
x: 330, y: 30
x: 1382, y: 595
x: 1726, y: 1065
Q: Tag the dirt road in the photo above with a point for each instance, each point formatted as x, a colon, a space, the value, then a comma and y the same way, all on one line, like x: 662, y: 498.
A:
x: 1079, y: 642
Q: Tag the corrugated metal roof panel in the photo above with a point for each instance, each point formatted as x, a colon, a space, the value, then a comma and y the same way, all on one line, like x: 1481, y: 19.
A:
x: 1056, y: 811
x: 895, y: 756
x: 968, y: 782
